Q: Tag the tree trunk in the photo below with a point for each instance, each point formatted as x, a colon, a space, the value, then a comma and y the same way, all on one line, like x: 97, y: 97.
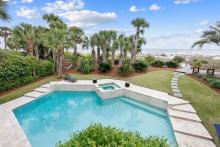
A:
x: 125, y: 54
x: 5, y: 41
x: 113, y: 57
x: 104, y: 55
x: 93, y: 55
x: 121, y: 59
x: 30, y: 46
x: 36, y: 53
x: 75, y: 50
x: 98, y: 55
x: 134, y: 51
x: 61, y: 57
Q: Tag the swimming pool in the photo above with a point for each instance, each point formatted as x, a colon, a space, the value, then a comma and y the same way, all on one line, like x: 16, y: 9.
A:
x: 53, y: 117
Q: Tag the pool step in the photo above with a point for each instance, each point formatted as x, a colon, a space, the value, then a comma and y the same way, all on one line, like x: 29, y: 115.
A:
x: 184, y: 115
x: 145, y: 107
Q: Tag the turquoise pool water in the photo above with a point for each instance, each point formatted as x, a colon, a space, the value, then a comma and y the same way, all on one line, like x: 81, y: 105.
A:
x: 109, y: 86
x: 54, y: 117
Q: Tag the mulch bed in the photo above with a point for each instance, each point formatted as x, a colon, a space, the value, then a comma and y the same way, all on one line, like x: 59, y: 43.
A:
x: 114, y: 71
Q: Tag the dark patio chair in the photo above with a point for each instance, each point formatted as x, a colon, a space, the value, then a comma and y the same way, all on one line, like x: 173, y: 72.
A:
x: 69, y: 78
x: 217, y: 128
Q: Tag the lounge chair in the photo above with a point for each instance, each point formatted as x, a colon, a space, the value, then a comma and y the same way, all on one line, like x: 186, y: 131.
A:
x: 69, y: 78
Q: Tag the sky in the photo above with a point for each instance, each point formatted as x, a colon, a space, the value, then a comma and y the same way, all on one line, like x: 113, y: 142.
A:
x: 174, y: 24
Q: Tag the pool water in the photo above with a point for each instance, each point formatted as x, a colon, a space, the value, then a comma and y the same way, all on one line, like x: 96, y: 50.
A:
x: 109, y: 86
x: 54, y: 117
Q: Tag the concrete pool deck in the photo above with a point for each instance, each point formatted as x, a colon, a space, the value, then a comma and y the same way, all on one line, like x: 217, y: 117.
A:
x: 187, y: 126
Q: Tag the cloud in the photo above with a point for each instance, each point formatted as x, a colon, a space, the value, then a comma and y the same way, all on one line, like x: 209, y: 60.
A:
x: 88, y: 18
x: 154, y: 7
x: 60, y: 6
x: 135, y: 9
x: 183, y: 1
x: 204, y: 23
x: 27, y: 12
x: 27, y: 1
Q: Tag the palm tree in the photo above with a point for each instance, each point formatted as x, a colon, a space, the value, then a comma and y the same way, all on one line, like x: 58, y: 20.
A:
x: 3, y: 11
x: 5, y: 32
x: 122, y: 45
x: 93, y: 44
x: 211, y: 36
x: 76, y: 36
x: 57, y: 39
x: 26, y: 35
x: 140, y: 24
x: 104, y: 40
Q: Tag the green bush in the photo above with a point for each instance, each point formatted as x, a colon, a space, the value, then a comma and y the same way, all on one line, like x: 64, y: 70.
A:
x: 158, y: 63
x: 86, y: 65
x: 16, y: 70
x: 149, y: 59
x: 172, y: 64
x: 98, y: 136
x: 140, y: 65
x: 178, y: 59
x: 125, y: 69
x: 214, y: 82
x: 105, y: 67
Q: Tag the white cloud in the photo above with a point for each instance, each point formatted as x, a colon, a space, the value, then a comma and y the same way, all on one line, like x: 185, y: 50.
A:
x: 27, y: 1
x: 27, y: 12
x: 154, y: 7
x: 184, y: 1
x: 88, y: 18
x: 204, y: 23
x: 135, y: 9
x: 60, y: 6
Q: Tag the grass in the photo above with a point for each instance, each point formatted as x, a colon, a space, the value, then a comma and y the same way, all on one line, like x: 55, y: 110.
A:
x: 205, y: 100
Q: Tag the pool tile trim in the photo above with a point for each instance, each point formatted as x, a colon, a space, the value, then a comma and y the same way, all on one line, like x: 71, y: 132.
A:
x: 12, y: 134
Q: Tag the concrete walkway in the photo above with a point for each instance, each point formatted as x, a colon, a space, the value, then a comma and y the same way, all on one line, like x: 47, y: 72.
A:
x: 174, y: 84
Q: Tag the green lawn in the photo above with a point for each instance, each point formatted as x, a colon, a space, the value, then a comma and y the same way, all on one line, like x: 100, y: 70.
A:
x: 205, y: 100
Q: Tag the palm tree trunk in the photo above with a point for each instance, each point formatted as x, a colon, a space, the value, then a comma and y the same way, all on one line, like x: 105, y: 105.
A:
x: 125, y: 54
x: 93, y: 55
x: 121, y: 58
x: 113, y: 56
x: 75, y: 50
x: 61, y: 57
x: 30, y: 46
x: 134, y: 51
x: 104, y: 55
x: 36, y: 52
x: 98, y: 55
x: 5, y: 41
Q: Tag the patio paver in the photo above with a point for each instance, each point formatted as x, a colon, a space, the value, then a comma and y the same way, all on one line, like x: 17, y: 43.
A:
x: 185, y: 108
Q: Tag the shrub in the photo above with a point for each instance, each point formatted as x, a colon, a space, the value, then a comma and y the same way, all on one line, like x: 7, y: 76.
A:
x: 178, y: 59
x: 158, y: 63
x: 16, y: 70
x: 149, y: 59
x: 125, y: 69
x: 214, y: 82
x: 116, y: 61
x: 172, y: 64
x: 105, y: 67
x: 140, y: 65
x: 86, y: 65
x: 97, y: 135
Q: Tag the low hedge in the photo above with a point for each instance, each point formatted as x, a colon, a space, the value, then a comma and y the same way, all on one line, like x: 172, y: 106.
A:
x: 125, y: 69
x: 214, y: 82
x: 86, y: 65
x: 158, y: 63
x: 172, y: 64
x: 105, y: 67
x: 17, y: 70
x: 97, y: 135
x: 140, y: 65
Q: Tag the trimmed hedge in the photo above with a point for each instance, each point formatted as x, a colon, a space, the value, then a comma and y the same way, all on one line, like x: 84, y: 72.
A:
x: 214, y: 82
x: 86, y: 65
x: 140, y: 65
x: 158, y: 63
x: 172, y: 64
x: 97, y: 135
x: 105, y: 67
x: 125, y: 69
x: 16, y: 70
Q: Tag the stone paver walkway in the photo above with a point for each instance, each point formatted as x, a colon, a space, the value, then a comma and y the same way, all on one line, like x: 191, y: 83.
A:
x: 174, y: 84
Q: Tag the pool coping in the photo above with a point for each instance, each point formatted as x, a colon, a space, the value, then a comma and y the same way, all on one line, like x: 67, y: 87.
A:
x: 187, y: 126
